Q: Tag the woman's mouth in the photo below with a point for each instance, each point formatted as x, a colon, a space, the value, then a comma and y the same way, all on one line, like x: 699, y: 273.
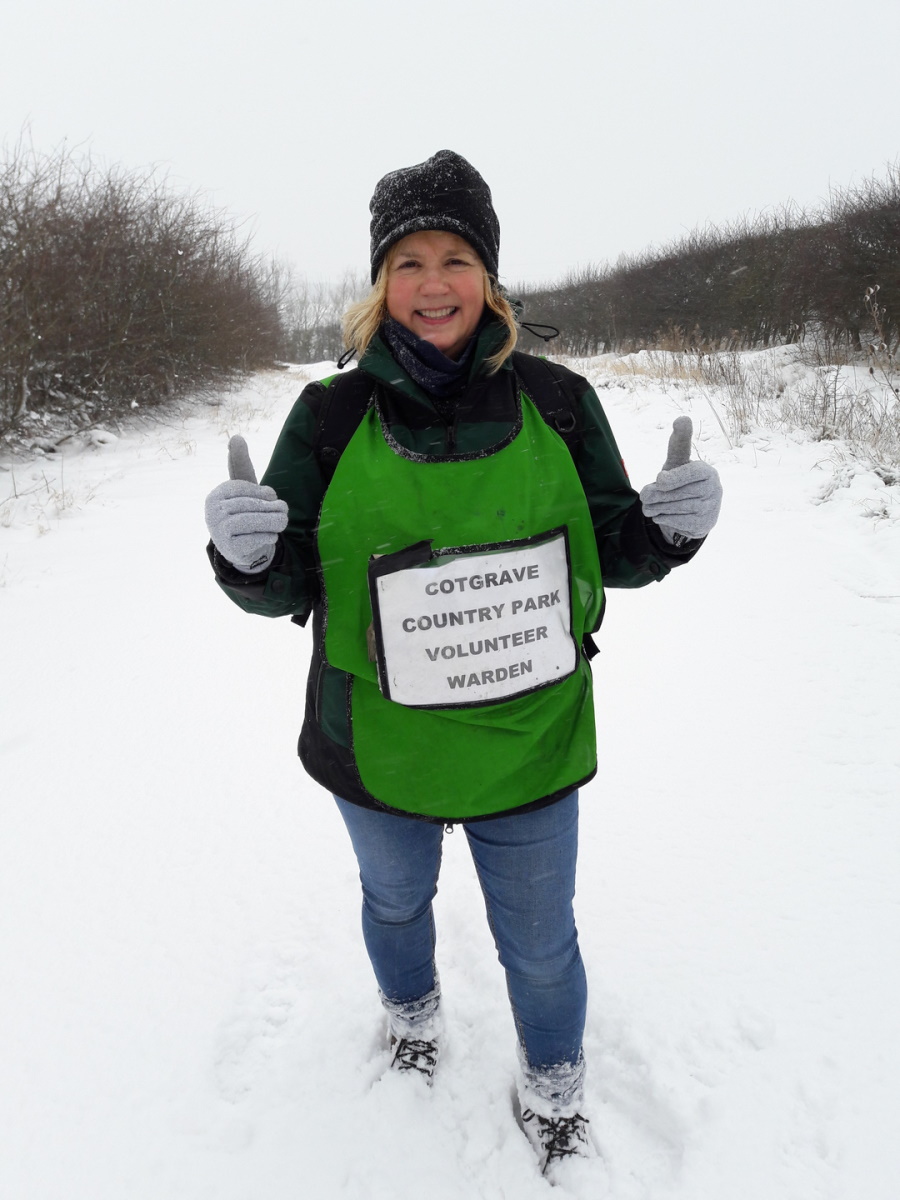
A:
x: 436, y: 314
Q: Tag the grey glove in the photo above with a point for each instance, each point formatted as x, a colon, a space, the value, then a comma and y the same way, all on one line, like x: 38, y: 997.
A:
x: 243, y: 518
x: 686, y: 498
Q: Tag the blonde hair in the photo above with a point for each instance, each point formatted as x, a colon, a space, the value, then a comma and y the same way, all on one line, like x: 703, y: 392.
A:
x: 361, y: 321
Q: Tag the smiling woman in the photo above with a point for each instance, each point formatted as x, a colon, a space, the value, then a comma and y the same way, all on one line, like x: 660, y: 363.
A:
x: 436, y: 214
x: 435, y: 288
x: 452, y: 500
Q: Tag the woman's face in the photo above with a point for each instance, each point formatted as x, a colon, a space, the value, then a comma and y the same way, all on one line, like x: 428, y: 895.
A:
x: 435, y: 287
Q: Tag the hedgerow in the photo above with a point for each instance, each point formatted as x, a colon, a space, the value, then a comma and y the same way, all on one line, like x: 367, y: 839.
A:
x: 117, y: 291
x: 776, y: 279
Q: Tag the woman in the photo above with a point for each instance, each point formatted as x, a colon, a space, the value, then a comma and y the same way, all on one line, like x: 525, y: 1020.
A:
x: 454, y: 559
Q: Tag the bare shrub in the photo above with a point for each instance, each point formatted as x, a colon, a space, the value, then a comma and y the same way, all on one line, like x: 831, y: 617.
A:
x: 116, y: 291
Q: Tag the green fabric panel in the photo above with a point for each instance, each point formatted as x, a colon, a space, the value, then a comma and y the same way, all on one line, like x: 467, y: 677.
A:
x: 380, y: 502
x: 462, y: 763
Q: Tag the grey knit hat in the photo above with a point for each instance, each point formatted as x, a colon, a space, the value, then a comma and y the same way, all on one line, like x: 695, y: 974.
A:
x: 445, y: 192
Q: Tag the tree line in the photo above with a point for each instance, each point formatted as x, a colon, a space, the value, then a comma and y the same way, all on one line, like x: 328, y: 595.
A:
x: 772, y: 280
x: 117, y: 291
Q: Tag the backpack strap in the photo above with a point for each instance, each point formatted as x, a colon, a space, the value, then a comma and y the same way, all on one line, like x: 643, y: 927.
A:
x: 346, y: 401
x: 549, y: 389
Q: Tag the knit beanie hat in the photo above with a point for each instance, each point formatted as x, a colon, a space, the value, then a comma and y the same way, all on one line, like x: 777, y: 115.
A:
x: 445, y: 192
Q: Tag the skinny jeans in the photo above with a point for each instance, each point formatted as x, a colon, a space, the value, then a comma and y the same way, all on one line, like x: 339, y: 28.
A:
x: 525, y: 864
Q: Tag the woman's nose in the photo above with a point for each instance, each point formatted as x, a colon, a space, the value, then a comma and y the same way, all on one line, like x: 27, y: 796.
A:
x: 435, y: 280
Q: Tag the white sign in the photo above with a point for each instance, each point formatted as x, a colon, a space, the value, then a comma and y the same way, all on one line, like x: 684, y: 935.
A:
x: 484, y: 626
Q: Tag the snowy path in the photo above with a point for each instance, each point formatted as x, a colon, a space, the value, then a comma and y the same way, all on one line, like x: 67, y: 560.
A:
x: 185, y: 1004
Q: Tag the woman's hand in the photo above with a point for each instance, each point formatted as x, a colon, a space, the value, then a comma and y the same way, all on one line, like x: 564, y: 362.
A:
x: 686, y: 497
x: 243, y: 518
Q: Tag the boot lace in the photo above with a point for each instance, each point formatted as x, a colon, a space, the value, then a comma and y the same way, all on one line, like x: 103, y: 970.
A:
x: 560, y: 1137
x: 411, y: 1054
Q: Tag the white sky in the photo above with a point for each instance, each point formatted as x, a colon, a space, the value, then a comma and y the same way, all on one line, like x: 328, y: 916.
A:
x: 602, y: 126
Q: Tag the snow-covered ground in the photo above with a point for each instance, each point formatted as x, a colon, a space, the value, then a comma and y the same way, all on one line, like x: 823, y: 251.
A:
x: 186, y: 1010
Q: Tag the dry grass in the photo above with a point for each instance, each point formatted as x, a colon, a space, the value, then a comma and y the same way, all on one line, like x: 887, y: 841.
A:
x: 818, y: 387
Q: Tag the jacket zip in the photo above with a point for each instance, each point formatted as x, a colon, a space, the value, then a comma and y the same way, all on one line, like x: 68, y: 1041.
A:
x: 451, y: 432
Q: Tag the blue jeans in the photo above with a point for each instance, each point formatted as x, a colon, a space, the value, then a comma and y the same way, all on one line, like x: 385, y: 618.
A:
x: 526, y: 867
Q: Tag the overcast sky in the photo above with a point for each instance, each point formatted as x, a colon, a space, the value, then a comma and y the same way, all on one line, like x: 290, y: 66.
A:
x: 602, y: 126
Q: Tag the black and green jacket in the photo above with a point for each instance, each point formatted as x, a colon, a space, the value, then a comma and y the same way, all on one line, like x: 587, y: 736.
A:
x: 631, y: 550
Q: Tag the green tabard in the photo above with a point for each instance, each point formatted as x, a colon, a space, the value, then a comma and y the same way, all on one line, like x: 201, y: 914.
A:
x: 460, y: 762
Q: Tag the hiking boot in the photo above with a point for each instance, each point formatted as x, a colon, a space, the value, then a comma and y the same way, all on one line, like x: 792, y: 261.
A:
x: 415, y: 1028
x: 557, y: 1138
x: 415, y: 1054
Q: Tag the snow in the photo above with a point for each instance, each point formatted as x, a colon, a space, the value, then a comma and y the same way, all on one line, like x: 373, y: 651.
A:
x: 186, y: 1006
